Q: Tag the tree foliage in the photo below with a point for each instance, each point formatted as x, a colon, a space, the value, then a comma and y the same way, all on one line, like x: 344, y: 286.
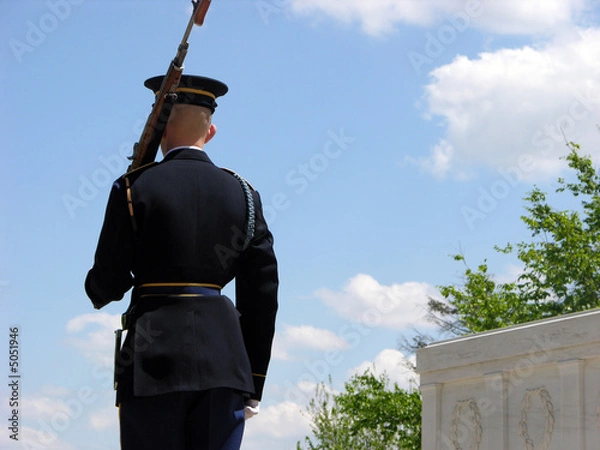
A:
x: 561, y: 263
x: 366, y: 416
x: 560, y: 274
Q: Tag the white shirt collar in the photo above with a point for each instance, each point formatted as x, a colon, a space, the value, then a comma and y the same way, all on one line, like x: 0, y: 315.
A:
x: 183, y: 146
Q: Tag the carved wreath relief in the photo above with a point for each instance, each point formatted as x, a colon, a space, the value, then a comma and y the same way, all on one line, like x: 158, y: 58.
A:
x: 544, y: 412
x: 598, y: 413
x: 466, y: 430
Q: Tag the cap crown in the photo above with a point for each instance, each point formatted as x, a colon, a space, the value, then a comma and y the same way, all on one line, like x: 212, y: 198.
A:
x: 193, y: 90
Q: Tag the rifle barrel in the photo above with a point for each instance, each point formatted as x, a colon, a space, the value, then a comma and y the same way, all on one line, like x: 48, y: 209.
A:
x: 144, y: 151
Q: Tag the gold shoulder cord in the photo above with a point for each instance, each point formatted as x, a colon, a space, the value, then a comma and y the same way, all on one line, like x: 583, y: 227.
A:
x: 130, y: 204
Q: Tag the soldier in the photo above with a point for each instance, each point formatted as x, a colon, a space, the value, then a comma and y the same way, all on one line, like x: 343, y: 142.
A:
x: 193, y: 364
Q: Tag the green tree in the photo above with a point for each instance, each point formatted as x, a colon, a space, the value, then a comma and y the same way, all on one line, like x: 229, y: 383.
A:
x: 560, y: 275
x: 366, y: 416
x: 561, y: 264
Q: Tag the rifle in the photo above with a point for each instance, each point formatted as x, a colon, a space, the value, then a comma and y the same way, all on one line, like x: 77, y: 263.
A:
x: 144, y: 151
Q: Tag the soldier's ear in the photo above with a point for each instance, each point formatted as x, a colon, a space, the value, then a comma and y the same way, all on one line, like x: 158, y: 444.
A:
x: 212, y: 130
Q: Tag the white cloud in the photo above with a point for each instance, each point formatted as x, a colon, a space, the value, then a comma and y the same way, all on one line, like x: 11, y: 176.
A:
x: 93, y: 335
x: 528, y: 17
x: 34, y: 439
x: 376, y: 17
x: 53, y: 412
x: 279, y: 351
x: 438, y: 163
x: 512, y: 108
x: 364, y: 300
x: 81, y: 322
x: 105, y: 418
x: 305, y: 336
x: 277, y: 426
x: 299, y: 388
x: 392, y: 363
x: 45, y: 407
x: 317, y: 338
x: 379, y: 17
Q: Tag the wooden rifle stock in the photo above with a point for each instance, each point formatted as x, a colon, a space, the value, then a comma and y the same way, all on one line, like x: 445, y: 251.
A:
x: 144, y: 151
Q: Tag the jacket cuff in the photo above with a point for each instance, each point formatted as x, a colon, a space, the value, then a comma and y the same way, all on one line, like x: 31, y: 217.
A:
x: 259, y: 384
x: 92, y: 292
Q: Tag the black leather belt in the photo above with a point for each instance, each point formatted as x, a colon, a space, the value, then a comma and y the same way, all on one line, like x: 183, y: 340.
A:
x: 178, y: 289
x: 149, y: 290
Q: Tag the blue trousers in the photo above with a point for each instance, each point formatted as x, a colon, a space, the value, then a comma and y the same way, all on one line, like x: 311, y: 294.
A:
x: 206, y: 420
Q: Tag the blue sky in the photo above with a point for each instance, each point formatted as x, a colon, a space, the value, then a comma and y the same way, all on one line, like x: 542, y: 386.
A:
x: 383, y: 136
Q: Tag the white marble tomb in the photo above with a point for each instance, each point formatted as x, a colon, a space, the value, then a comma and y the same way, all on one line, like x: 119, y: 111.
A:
x: 534, y: 386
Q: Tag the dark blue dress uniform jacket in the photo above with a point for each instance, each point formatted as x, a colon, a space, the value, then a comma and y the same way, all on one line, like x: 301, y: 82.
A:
x: 188, y: 227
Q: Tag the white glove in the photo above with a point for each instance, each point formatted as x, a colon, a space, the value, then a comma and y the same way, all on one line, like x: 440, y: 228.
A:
x: 251, y: 408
